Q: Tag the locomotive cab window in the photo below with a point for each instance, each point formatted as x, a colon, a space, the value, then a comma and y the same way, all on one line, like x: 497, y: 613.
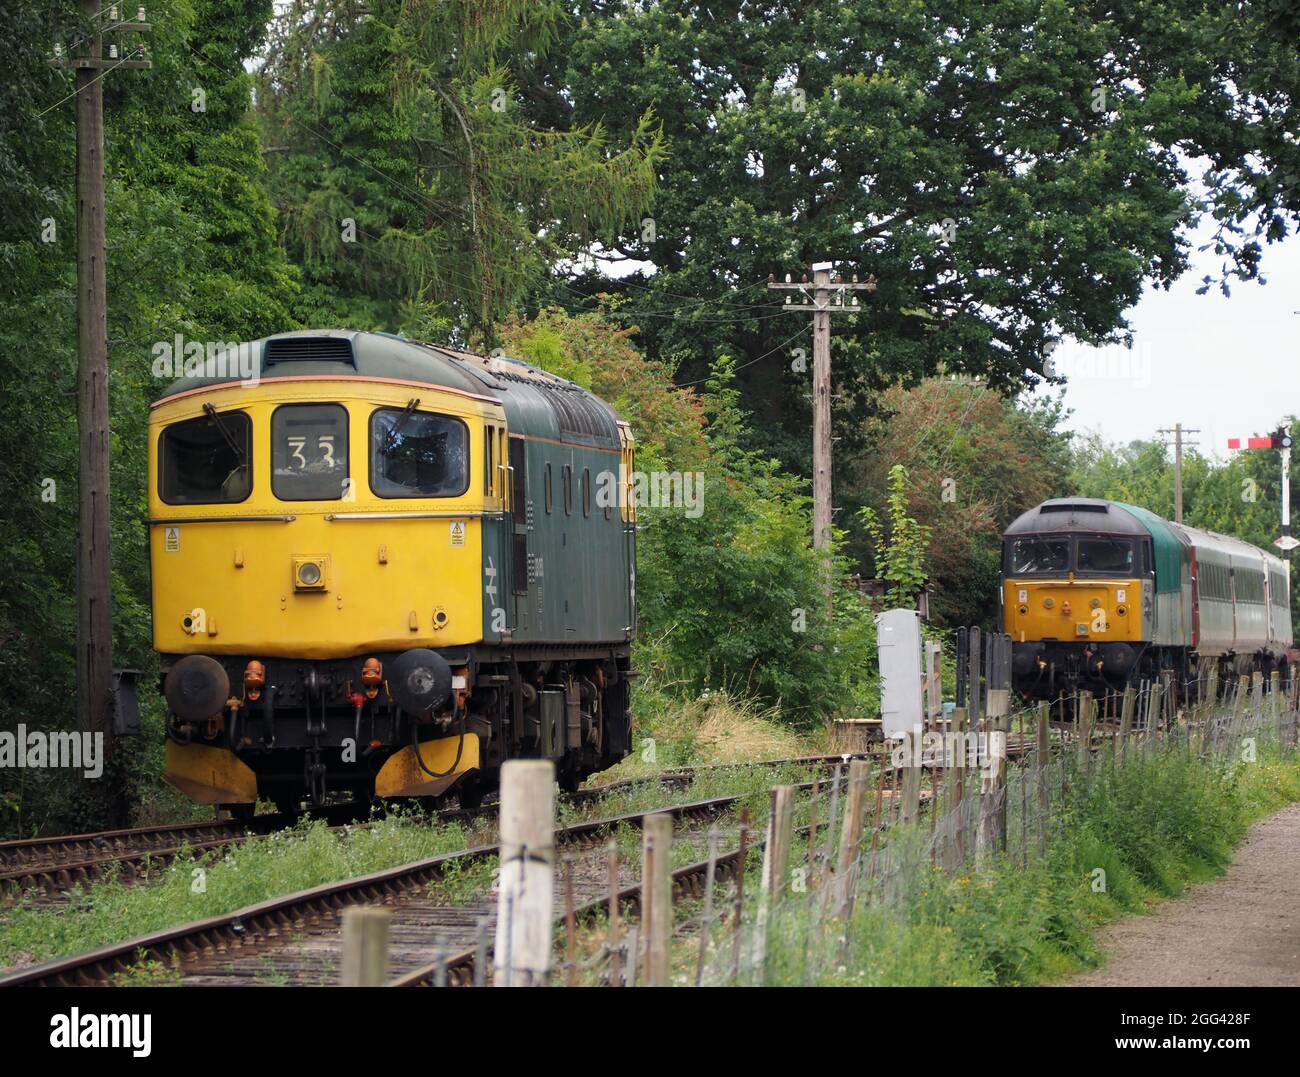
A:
x: 1106, y: 553
x: 1030, y: 555
x: 206, y: 461
x: 418, y: 454
x: 309, y: 452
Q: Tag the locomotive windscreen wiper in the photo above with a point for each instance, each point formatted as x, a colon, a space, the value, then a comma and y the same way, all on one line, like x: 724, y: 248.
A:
x: 390, y: 438
x: 220, y: 424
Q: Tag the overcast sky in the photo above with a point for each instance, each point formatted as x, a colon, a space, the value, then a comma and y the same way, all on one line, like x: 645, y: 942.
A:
x: 1230, y: 366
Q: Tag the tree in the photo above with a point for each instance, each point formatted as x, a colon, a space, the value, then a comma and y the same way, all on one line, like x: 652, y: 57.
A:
x: 900, y: 551
x: 192, y: 250
x: 1012, y: 171
x: 413, y: 186
x: 975, y: 459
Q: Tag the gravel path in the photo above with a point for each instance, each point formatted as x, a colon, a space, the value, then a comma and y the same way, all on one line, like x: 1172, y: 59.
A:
x: 1240, y: 930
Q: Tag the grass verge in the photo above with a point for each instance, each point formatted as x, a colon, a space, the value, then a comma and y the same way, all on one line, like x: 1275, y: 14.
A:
x: 1123, y: 840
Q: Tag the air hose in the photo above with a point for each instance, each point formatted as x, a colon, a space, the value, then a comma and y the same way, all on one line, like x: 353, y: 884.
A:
x: 460, y: 750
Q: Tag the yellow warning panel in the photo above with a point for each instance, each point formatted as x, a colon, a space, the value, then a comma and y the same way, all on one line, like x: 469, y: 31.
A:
x: 402, y: 775
x: 209, y: 775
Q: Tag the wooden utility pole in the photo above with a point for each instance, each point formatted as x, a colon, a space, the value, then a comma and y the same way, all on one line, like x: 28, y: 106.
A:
x: 1180, y: 440
x: 824, y: 297
x: 94, y: 566
x: 94, y: 572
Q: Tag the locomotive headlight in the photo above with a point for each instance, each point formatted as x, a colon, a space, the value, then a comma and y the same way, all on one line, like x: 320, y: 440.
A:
x: 309, y: 573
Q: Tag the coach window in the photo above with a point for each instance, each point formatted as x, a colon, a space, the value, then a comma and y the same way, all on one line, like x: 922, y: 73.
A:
x: 417, y: 453
x: 586, y: 491
x: 489, y: 473
x: 206, y: 461
x: 309, y: 452
x: 546, y: 486
x: 568, y: 490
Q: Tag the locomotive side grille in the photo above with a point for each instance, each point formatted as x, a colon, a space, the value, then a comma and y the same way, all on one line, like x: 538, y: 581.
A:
x: 308, y: 350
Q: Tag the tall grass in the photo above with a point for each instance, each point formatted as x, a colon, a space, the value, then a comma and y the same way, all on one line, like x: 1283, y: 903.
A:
x: 1122, y: 838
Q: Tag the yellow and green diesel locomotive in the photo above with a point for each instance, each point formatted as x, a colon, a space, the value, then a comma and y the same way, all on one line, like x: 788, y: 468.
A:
x: 1096, y: 593
x: 382, y: 568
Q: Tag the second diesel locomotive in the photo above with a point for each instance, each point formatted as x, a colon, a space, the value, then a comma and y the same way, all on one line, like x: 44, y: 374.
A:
x: 383, y: 567
x: 1096, y: 593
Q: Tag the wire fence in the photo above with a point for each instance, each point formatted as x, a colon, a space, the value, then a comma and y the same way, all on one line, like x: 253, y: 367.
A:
x: 984, y: 799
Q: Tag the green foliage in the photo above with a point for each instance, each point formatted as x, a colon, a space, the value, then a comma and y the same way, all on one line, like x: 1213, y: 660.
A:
x: 192, y: 250
x: 960, y: 152
x: 976, y: 459
x: 733, y: 599
x: 900, y: 552
x: 1159, y: 823
x: 404, y: 118
x: 739, y: 595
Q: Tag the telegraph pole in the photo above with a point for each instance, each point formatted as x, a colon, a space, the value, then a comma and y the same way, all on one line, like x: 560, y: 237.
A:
x: 94, y: 567
x: 1179, y: 441
x: 824, y: 297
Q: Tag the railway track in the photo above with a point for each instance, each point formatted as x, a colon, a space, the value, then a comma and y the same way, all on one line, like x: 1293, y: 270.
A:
x: 467, y: 966
x: 54, y: 865
x: 296, y: 938
x: 51, y: 867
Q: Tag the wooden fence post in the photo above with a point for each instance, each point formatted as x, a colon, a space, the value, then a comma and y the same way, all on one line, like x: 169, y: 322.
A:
x: 1126, y: 720
x: 1209, y: 706
x: 957, y: 848
x: 1042, y: 760
x: 851, y: 830
x: 1085, y: 732
x: 776, y: 863
x: 525, y: 910
x: 933, y: 685
x: 991, y: 837
x: 846, y: 866
x: 1275, y: 705
x: 365, y: 946
x: 656, y: 895
x: 1154, y: 713
x: 912, y: 743
x: 1239, y: 704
